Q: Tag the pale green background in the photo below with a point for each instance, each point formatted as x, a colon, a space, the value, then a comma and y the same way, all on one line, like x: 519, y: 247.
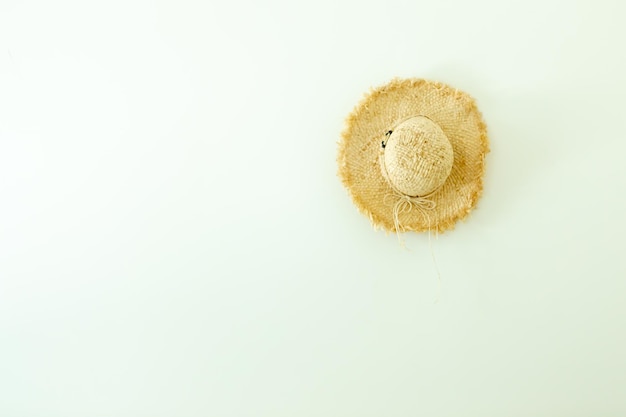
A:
x: 174, y: 240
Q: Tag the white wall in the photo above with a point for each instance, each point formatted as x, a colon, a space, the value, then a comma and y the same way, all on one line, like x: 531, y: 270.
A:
x: 174, y: 240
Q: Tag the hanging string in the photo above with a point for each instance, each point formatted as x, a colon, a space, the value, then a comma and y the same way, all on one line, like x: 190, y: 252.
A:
x: 404, y: 204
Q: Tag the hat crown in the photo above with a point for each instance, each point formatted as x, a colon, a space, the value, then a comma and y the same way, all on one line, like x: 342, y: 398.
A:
x: 418, y: 157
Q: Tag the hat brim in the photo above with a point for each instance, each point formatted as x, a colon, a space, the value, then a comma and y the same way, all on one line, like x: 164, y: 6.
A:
x: 379, y: 112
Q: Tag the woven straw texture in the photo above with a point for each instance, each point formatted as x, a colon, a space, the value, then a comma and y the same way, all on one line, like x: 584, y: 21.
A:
x: 417, y: 157
x: 395, y: 106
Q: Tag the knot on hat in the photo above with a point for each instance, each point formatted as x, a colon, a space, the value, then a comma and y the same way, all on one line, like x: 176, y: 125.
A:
x: 417, y: 157
x: 404, y: 204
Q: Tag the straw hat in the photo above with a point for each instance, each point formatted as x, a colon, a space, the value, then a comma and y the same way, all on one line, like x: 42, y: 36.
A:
x: 412, y: 155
